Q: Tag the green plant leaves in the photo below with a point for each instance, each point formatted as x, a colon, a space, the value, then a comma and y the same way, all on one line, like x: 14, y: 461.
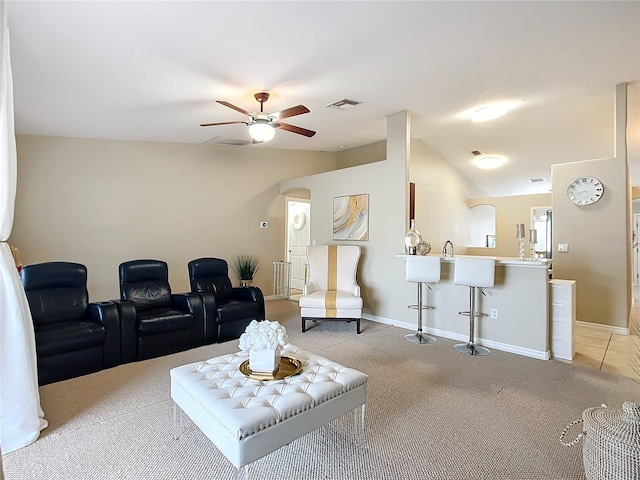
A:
x: 246, y: 266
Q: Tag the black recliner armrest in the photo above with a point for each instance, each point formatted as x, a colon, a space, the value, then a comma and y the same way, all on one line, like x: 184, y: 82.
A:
x: 248, y: 294
x: 128, y: 333
x: 192, y: 303
x: 107, y: 314
x: 210, y: 309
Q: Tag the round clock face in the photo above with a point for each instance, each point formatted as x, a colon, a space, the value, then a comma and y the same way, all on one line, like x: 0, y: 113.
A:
x: 585, y: 190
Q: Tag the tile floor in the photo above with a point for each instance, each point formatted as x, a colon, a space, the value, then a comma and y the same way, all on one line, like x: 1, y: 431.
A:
x: 610, y: 352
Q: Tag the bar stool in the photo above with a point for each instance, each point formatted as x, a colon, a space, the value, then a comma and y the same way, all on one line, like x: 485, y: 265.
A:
x: 475, y: 273
x: 421, y: 270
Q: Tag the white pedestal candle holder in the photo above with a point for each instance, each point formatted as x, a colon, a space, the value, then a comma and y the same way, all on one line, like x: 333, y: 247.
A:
x: 520, y: 235
x: 521, y: 249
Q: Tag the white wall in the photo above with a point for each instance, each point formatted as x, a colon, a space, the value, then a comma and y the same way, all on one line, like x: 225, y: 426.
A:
x: 101, y: 202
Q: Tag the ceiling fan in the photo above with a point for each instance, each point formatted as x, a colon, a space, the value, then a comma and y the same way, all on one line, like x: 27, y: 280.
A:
x: 262, y: 125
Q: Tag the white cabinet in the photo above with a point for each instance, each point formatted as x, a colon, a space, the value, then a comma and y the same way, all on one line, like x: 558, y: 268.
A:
x: 562, y: 318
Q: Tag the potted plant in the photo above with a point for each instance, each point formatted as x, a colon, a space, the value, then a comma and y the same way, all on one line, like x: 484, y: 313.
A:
x: 246, y: 266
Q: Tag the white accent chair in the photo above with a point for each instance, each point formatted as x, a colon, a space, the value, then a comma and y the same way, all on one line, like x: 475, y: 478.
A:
x: 423, y: 271
x: 475, y: 273
x: 331, y: 292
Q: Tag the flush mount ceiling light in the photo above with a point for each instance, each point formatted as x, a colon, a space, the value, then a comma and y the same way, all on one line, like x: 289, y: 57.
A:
x: 489, y: 112
x: 488, y: 163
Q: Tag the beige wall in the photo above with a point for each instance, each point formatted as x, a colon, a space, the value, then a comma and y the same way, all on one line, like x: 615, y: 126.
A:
x: 598, y: 253
x: 101, y: 202
x: 441, y: 193
x: 509, y: 212
x: 598, y: 235
x: 353, y: 157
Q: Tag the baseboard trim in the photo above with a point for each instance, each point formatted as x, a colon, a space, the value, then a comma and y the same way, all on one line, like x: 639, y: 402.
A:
x: 527, y: 352
x: 603, y: 328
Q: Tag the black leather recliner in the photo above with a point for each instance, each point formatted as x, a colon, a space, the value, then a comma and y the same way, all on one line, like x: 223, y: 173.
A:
x: 154, y: 321
x: 228, y: 310
x: 73, y: 337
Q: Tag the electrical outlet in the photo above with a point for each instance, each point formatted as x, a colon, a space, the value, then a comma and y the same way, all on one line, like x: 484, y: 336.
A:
x: 563, y: 247
x: 494, y: 313
x: 264, y: 224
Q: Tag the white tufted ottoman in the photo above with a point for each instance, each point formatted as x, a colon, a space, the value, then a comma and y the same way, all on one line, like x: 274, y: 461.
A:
x: 248, y: 419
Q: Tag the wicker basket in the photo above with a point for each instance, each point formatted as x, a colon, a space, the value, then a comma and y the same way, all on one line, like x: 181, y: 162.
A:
x: 611, y: 446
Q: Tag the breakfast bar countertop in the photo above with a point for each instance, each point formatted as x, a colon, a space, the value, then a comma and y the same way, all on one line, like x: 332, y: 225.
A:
x: 541, y: 263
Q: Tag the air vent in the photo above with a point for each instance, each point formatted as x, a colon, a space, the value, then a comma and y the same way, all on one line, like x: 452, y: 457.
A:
x: 476, y: 152
x: 234, y: 142
x: 536, y: 180
x: 344, y: 104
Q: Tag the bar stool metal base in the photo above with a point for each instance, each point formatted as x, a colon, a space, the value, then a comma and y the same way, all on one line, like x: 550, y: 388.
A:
x: 420, y: 338
x: 472, y: 349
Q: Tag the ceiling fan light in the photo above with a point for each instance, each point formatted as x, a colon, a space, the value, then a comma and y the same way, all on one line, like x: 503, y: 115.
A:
x: 261, y: 131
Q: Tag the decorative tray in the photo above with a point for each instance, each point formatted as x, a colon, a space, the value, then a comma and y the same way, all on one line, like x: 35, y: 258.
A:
x: 288, y: 367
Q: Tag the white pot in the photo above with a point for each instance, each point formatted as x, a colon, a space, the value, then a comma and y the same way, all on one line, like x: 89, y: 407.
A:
x: 264, y: 361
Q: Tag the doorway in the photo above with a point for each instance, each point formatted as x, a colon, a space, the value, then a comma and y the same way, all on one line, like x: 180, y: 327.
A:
x: 541, y: 222
x: 298, y: 237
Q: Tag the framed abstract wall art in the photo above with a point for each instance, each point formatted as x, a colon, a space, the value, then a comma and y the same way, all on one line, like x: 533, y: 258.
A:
x: 351, y: 217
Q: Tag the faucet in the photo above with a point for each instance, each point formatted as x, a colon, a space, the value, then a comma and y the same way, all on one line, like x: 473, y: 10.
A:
x: 445, y: 251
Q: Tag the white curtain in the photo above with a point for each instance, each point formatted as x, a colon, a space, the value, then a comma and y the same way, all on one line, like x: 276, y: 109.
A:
x: 21, y: 417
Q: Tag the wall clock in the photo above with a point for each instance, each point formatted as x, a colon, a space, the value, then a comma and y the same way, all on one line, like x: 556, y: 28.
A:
x: 585, y: 190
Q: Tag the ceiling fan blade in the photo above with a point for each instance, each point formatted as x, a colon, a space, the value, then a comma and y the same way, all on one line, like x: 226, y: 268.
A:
x: 230, y: 105
x: 219, y: 123
x: 294, y: 129
x: 292, y: 111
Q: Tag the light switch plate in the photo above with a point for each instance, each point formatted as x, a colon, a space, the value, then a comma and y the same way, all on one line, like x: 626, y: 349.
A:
x: 563, y: 247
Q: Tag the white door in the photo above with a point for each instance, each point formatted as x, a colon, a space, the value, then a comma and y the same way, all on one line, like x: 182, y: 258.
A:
x: 298, y: 235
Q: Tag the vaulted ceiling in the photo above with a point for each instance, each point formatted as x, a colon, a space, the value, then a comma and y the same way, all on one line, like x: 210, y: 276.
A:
x: 152, y: 70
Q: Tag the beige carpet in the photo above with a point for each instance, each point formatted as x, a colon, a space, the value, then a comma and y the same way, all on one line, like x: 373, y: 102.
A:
x: 432, y: 413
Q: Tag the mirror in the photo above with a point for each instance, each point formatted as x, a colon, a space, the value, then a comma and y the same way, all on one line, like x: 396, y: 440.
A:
x: 483, y: 226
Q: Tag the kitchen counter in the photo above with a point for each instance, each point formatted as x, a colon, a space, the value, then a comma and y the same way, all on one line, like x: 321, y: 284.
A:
x: 519, y: 300
x: 542, y: 263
